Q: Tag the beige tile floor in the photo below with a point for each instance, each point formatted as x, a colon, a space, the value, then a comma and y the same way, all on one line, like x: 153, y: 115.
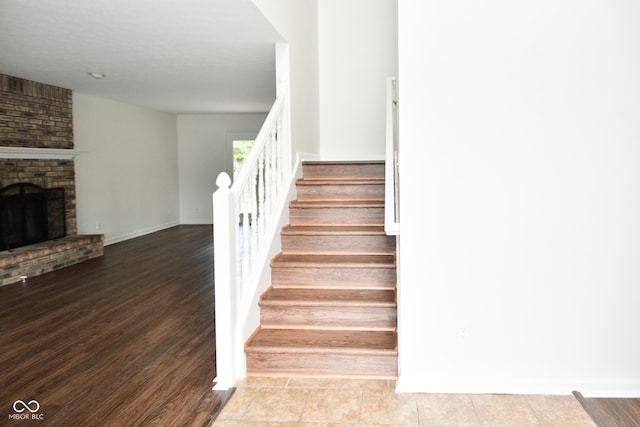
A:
x: 288, y: 402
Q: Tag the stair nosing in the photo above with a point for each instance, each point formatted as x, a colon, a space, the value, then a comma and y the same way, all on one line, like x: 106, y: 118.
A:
x: 336, y: 203
x: 332, y: 334
x: 330, y: 264
x: 320, y: 347
x: 360, y: 328
x: 287, y: 252
x: 287, y: 264
x: 320, y: 256
x: 343, y: 162
x: 321, y: 350
x: 345, y: 286
x: 315, y: 181
x: 333, y: 230
x: 329, y: 303
x: 376, y: 295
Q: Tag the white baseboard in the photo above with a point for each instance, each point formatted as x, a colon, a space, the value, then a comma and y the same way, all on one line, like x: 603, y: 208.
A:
x: 138, y: 233
x: 547, y: 386
x: 197, y: 221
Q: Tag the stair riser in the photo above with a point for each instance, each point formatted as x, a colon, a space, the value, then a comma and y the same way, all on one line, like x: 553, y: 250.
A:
x: 319, y: 364
x: 337, y: 277
x: 321, y: 317
x: 328, y: 216
x: 327, y: 191
x: 338, y: 244
x: 338, y: 170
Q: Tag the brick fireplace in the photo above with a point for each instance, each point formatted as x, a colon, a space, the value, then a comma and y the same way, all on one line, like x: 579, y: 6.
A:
x: 36, y: 147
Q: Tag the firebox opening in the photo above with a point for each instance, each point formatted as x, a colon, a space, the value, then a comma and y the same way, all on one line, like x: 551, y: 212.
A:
x: 30, y: 214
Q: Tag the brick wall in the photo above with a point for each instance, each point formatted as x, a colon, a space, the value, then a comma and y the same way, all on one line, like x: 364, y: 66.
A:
x: 47, y: 174
x: 34, y: 114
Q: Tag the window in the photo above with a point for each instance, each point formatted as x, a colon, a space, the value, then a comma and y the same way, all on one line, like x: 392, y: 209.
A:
x: 241, y: 149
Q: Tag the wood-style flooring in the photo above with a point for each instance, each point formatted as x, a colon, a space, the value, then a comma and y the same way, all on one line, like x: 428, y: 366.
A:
x: 122, y: 340
x: 611, y: 412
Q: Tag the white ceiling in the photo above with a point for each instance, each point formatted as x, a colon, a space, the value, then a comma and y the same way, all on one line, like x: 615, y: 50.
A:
x: 179, y: 56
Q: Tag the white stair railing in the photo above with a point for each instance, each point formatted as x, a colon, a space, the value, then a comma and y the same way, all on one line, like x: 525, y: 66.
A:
x: 392, y: 171
x: 244, y: 215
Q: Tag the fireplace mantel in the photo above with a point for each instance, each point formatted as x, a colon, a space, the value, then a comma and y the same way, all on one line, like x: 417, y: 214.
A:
x: 38, y: 153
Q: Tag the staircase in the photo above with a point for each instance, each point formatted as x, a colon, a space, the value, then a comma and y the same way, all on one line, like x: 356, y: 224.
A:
x: 331, y: 309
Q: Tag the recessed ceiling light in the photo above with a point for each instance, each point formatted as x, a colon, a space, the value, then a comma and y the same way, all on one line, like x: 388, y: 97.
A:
x: 97, y: 76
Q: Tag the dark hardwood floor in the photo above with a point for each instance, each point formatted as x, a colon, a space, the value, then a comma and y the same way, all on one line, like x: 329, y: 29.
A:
x: 123, y: 340
x: 611, y: 412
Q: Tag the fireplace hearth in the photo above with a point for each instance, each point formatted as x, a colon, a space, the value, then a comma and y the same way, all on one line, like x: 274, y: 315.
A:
x: 30, y: 214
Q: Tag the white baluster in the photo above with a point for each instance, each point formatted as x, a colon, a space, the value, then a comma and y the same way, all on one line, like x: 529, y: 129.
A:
x: 237, y: 227
x: 268, y: 171
x: 274, y: 161
x: 261, y: 212
x: 254, y: 213
x: 278, y: 155
x: 246, y: 231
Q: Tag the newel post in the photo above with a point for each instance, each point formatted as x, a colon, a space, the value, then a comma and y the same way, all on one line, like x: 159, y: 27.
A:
x: 224, y: 282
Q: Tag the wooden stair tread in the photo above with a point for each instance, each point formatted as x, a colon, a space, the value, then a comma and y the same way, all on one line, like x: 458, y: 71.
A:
x: 323, y: 341
x: 320, y: 230
x: 337, y: 203
x: 334, y: 260
x: 356, y: 180
x: 343, y: 162
x: 334, y: 297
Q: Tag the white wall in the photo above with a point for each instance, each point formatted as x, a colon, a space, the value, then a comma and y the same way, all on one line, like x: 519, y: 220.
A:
x: 520, y: 143
x: 127, y: 177
x: 297, y: 22
x: 202, y: 153
x: 357, y: 52
x: 340, y: 56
